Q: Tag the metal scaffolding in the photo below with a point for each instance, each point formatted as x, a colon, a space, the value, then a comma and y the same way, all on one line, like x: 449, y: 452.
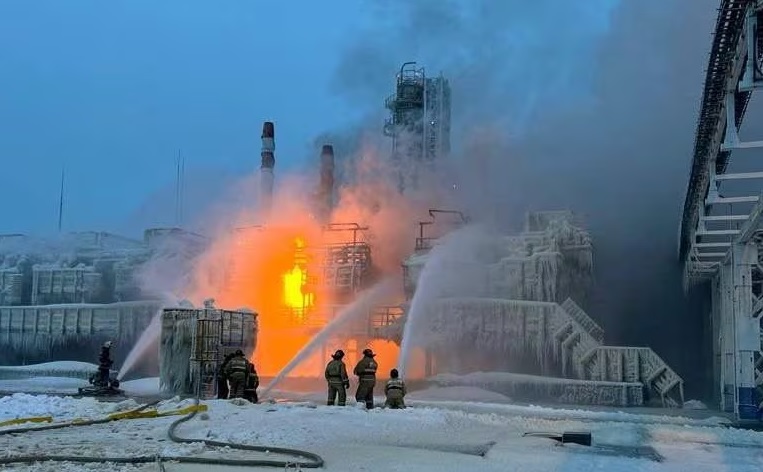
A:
x: 419, y: 122
x: 724, y: 247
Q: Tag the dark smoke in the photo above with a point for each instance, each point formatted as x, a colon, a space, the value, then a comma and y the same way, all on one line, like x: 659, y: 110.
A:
x: 587, y: 105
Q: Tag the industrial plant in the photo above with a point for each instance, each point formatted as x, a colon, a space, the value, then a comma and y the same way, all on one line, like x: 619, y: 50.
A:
x: 516, y: 308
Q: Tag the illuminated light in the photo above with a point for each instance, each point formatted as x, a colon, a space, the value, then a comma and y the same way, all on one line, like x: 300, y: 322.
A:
x: 294, y: 296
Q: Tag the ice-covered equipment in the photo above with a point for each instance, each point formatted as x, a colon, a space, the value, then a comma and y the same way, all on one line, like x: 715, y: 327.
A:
x: 194, y: 343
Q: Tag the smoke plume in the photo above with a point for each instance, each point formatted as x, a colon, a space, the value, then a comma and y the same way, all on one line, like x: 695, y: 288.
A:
x: 589, y: 106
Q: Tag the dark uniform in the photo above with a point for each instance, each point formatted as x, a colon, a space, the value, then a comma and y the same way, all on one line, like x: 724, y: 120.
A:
x: 222, y: 380
x: 366, y: 372
x: 104, y: 365
x: 251, y: 383
x: 235, y: 372
x: 336, y: 376
x: 395, y: 391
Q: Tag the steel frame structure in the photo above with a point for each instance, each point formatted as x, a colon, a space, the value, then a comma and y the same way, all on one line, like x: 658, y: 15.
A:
x: 725, y: 248
x: 419, y: 122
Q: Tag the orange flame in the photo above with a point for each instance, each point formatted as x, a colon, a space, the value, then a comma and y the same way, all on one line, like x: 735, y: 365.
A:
x: 277, y: 270
x: 294, y: 282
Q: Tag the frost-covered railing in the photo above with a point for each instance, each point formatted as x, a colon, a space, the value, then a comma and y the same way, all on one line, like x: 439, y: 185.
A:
x: 549, y: 276
x: 583, y: 319
x: 38, y: 333
x: 11, y: 286
x: 635, y: 364
x: 551, y: 332
x: 510, y: 326
x: 123, y: 319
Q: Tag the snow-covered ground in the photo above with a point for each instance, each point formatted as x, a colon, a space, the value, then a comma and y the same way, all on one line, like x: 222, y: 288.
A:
x: 463, y: 394
x: 431, y: 435
x: 62, y: 385
x: 72, y: 369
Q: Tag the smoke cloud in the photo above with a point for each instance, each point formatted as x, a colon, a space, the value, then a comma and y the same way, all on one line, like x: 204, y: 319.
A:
x: 589, y: 106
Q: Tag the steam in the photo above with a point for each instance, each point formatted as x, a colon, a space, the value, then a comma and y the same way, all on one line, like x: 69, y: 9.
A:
x: 589, y: 106
x: 454, y: 267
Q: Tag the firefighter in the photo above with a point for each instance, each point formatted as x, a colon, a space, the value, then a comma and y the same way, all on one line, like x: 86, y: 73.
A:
x: 235, y: 372
x: 336, y: 376
x: 366, y: 372
x: 395, y: 391
x: 251, y: 384
x: 104, y: 365
x: 222, y: 380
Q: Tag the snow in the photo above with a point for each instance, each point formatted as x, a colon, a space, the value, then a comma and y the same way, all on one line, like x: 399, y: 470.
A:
x: 65, y: 385
x: 61, y: 366
x: 470, y: 394
x: 24, y: 405
x: 694, y: 405
x: 487, y: 378
x: 70, y: 369
x: 561, y: 390
x: 147, y: 387
x: 142, y: 387
x: 58, y: 366
x: 442, y: 437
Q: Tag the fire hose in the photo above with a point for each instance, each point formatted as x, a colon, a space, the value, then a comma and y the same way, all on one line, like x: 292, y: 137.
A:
x: 307, y: 460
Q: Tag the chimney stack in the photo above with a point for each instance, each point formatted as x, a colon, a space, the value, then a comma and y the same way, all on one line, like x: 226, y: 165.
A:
x: 266, y: 168
x: 326, y: 188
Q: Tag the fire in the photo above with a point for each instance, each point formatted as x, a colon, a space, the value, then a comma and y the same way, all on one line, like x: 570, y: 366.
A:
x: 276, y: 268
x: 294, y: 296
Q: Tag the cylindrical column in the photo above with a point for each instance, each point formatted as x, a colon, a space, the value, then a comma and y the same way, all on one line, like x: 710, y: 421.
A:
x: 266, y: 168
x: 326, y: 188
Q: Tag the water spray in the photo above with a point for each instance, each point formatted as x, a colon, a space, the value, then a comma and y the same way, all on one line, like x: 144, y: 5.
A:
x: 361, y: 306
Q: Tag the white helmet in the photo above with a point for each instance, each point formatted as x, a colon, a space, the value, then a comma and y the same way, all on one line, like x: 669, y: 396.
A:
x: 107, y: 344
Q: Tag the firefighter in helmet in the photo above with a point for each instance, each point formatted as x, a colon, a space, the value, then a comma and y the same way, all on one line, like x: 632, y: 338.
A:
x: 251, y: 383
x: 235, y: 372
x: 366, y: 372
x: 222, y: 380
x: 395, y: 391
x: 336, y: 376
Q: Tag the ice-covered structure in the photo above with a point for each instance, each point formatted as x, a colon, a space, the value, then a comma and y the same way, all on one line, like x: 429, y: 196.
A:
x: 62, y: 297
x: 194, y: 342
x: 32, y: 334
x: 550, y: 261
x: 520, y: 317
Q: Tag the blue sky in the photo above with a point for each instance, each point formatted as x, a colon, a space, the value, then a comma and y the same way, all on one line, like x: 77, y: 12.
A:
x: 112, y: 89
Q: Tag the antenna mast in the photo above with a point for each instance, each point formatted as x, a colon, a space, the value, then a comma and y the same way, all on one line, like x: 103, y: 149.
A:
x: 61, y: 202
x: 180, y: 171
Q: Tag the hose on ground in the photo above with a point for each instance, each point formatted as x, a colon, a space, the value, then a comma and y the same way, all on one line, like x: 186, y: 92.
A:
x: 307, y: 460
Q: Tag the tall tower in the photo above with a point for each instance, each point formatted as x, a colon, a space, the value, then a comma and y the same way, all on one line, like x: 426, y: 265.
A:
x: 326, y: 186
x: 268, y: 162
x: 419, y: 123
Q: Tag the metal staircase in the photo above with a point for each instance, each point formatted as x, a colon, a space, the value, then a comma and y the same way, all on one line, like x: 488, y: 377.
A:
x: 566, y: 330
x: 634, y: 364
x: 582, y: 318
x: 579, y: 341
